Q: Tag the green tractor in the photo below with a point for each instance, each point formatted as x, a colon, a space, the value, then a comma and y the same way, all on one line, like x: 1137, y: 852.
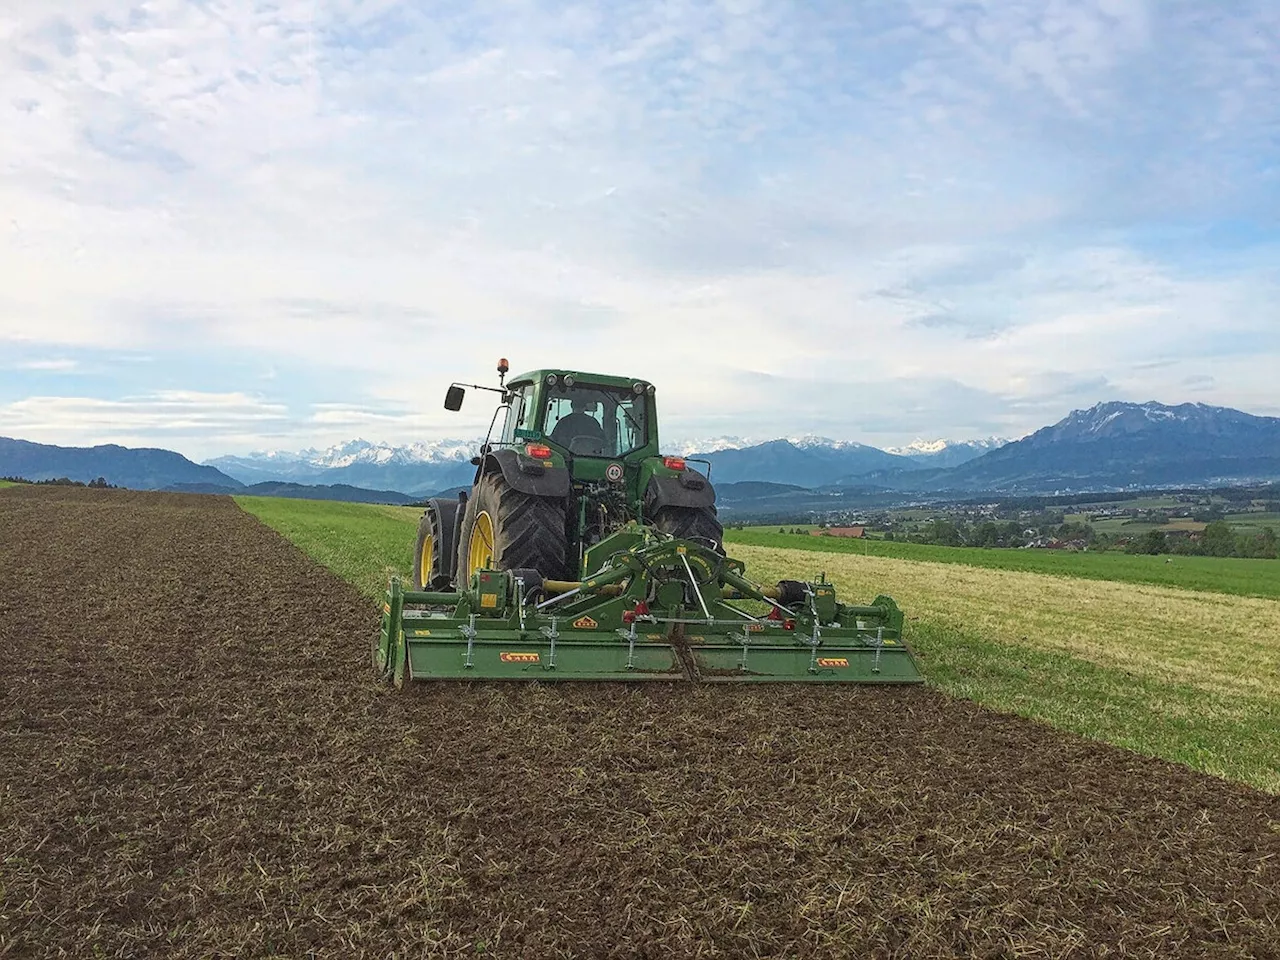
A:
x: 575, y: 459
x: 584, y: 553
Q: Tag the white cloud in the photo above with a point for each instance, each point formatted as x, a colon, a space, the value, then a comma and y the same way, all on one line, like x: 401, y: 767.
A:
x: 62, y: 365
x: 186, y: 420
x: 954, y: 212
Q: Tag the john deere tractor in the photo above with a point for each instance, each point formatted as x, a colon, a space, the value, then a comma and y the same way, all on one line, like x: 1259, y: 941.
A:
x: 584, y: 553
x: 575, y: 458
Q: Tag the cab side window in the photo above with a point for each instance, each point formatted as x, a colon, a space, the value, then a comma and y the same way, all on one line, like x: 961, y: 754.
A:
x: 528, y: 415
x: 630, y: 425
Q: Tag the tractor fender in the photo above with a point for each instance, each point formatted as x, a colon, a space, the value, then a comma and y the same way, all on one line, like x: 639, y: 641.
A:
x: 537, y: 478
x: 686, y: 489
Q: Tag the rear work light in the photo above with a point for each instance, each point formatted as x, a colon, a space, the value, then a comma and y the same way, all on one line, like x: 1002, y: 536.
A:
x: 539, y: 451
x: 673, y: 463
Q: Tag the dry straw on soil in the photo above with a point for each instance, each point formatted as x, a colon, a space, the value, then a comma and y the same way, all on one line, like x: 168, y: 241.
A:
x: 198, y: 764
x: 1217, y: 642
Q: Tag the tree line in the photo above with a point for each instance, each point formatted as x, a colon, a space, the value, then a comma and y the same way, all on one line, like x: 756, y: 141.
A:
x: 1217, y: 540
x: 98, y: 483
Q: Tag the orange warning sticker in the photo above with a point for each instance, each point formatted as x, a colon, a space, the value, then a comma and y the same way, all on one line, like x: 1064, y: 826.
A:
x: 585, y: 623
x: 518, y: 657
x: 833, y: 661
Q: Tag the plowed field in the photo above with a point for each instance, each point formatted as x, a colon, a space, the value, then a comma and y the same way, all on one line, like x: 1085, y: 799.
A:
x: 195, y: 762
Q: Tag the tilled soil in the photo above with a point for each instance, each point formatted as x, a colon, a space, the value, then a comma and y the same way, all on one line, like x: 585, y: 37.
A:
x: 196, y: 762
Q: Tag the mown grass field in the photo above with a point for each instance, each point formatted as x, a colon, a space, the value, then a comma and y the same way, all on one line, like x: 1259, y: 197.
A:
x: 1253, y: 523
x: 7, y: 483
x: 1123, y: 527
x: 1247, y: 578
x: 1189, y: 675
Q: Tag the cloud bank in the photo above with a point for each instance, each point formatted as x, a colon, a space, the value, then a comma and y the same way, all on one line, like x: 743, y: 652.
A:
x: 866, y: 221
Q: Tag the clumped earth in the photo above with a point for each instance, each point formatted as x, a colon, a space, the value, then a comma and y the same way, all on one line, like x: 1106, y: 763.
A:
x: 196, y: 762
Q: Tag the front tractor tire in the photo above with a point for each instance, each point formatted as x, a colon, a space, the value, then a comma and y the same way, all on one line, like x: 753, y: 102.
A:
x: 504, y: 529
x: 436, y: 550
x: 699, y: 524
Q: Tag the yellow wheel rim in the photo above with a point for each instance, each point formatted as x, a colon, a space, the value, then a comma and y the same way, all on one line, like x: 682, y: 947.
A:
x: 480, y: 549
x: 428, y: 555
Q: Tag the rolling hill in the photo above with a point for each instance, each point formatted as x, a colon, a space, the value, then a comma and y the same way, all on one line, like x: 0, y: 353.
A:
x: 143, y: 468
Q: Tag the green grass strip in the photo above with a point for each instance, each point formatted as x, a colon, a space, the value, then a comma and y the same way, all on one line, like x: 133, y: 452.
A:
x: 1246, y: 578
x: 1235, y: 737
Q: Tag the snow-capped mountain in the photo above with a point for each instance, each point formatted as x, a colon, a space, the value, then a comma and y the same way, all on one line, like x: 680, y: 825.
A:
x: 415, y: 468
x: 946, y: 453
x: 811, y: 441
x: 687, y: 448
x: 805, y: 461
x: 1117, y: 419
x: 808, y: 441
x: 364, y: 451
x: 1132, y: 444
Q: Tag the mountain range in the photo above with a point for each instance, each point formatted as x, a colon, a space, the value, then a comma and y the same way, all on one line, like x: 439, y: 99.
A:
x: 145, y: 468
x: 1115, y: 445
x: 418, y: 469
x: 1110, y: 446
x: 149, y: 468
x: 425, y: 468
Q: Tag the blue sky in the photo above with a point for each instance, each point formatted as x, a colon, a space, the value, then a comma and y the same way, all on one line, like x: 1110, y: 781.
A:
x: 236, y: 226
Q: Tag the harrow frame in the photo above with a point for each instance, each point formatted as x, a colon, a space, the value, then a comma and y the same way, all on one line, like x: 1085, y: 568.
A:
x: 659, y: 608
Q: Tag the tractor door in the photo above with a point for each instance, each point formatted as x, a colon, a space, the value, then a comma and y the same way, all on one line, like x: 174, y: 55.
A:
x: 520, y: 415
x: 627, y: 416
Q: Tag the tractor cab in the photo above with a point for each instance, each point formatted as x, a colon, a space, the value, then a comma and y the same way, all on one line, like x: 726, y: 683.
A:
x: 570, y: 459
x: 582, y: 415
x: 598, y: 427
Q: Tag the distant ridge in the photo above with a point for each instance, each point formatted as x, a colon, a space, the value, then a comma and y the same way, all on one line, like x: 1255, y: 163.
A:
x: 138, y: 468
x: 149, y: 468
x: 813, y: 465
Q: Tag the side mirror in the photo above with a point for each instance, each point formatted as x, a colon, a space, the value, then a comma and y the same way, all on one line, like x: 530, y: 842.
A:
x: 453, y: 399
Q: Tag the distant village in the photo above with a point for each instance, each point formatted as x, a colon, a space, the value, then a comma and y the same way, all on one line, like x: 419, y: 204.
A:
x: 1221, y: 523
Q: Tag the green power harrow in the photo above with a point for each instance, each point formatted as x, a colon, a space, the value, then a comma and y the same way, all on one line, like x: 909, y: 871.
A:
x: 657, y: 607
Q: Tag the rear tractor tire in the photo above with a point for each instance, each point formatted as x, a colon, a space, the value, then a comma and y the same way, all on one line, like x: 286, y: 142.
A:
x: 436, y: 551
x: 699, y: 524
x: 504, y: 529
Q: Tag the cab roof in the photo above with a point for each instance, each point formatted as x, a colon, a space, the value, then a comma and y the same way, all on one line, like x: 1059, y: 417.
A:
x: 581, y: 376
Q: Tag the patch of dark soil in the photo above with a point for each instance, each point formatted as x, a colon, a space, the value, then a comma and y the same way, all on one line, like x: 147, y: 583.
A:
x: 196, y: 762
